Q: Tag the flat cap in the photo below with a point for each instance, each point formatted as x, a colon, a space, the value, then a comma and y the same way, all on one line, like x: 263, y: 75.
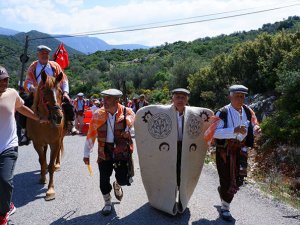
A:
x: 3, y: 73
x: 80, y: 94
x: 180, y: 90
x: 112, y: 92
x: 237, y: 88
x: 42, y: 48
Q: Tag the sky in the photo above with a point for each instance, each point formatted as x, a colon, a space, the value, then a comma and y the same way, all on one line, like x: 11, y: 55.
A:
x: 78, y: 16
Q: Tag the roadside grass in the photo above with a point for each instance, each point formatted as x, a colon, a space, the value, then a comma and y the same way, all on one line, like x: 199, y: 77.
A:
x: 271, y: 183
x: 276, y: 185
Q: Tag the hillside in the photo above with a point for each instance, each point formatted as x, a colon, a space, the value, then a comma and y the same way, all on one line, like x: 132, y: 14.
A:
x: 90, y: 45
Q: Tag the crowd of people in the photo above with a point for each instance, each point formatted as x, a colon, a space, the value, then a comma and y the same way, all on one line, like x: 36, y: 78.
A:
x: 234, y: 127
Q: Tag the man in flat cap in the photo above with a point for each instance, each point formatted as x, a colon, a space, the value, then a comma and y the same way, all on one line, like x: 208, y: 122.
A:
x: 10, y: 102
x: 180, y: 97
x: 234, y: 129
x: 141, y: 102
x: 171, y: 149
x: 51, y: 68
x: 111, y: 125
x: 79, y: 105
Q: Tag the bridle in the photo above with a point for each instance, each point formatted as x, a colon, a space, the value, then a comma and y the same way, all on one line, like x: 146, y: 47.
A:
x: 50, y: 109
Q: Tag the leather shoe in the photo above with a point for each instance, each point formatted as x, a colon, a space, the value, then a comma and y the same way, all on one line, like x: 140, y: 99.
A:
x: 118, y: 191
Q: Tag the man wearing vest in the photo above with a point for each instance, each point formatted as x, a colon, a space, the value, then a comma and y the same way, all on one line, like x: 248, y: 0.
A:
x: 111, y: 125
x: 234, y: 131
x: 51, y: 68
x: 79, y: 105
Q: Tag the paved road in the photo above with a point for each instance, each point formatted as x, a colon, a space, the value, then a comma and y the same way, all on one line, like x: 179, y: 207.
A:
x: 79, y: 201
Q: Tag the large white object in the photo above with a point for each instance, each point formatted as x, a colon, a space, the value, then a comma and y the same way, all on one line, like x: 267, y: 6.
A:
x: 156, y: 139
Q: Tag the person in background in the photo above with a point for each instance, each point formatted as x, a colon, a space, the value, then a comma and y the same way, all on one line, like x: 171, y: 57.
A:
x: 96, y: 105
x: 21, y: 121
x: 134, y: 104
x: 79, y: 105
x: 10, y: 102
x: 142, y: 102
x: 69, y: 112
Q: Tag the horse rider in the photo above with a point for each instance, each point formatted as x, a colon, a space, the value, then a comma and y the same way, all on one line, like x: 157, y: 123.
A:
x: 111, y: 124
x: 51, y: 68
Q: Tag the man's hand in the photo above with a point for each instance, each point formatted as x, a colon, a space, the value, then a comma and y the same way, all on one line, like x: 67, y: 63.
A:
x: 32, y: 89
x: 257, y: 131
x: 65, y: 95
x: 126, y: 134
x: 240, y: 129
x: 86, y: 161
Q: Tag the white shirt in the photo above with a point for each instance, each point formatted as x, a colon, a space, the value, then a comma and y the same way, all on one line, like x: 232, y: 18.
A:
x: 179, y: 126
x: 110, y: 128
x: 234, y: 119
x: 49, y: 72
x: 9, y: 102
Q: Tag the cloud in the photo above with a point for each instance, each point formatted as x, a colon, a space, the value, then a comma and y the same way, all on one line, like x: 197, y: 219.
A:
x: 72, y: 16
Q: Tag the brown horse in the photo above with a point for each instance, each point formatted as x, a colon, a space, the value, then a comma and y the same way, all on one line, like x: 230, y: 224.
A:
x: 47, y: 104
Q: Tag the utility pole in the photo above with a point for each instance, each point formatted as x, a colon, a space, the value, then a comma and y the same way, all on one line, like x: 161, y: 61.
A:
x: 24, y: 59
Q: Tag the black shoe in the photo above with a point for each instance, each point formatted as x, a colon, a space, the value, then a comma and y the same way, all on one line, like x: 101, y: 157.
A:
x: 226, y: 215
x: 106, y: 210
x: 27, y: 142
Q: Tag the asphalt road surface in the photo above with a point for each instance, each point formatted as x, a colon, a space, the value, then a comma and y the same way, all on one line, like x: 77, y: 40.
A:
x: 79, y: 201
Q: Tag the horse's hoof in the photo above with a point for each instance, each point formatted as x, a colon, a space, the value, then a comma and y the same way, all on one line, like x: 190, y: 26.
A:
x: 57, y: 167
x: 50, y: 196
x: 43, y: 181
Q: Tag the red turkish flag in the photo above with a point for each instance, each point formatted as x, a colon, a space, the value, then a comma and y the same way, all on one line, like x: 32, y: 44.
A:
x: 61, y: 56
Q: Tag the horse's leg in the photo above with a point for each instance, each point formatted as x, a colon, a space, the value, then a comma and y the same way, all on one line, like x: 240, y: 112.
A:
x: 42, y: 152
x: 60, y: 153
x: 57, y: 162
x: 55, y: 148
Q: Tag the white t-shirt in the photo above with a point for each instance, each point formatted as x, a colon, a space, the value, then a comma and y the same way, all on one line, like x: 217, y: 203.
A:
x: 9, y: 102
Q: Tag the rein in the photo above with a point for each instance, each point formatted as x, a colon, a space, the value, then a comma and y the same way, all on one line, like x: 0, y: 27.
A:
x: 46, y: 106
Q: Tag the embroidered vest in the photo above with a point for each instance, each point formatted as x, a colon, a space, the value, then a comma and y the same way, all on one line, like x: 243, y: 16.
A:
x: 123, y: 147
x: 249, y: 140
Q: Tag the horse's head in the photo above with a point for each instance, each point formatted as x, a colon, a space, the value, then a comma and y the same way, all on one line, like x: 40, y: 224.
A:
x: 50, y: 95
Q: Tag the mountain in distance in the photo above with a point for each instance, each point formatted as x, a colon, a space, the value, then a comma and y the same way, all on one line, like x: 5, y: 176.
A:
x: 6, y: 31
x: 90, y: 45
x: 37, y: 38
x: 86, y: 44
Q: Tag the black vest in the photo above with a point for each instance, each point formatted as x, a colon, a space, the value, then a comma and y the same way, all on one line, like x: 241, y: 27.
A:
x: 223, y: 116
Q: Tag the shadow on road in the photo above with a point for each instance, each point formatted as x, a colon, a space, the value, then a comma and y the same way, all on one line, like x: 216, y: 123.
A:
x: 143, y: 216
x: 27, y: 188
x: 218, y: 221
